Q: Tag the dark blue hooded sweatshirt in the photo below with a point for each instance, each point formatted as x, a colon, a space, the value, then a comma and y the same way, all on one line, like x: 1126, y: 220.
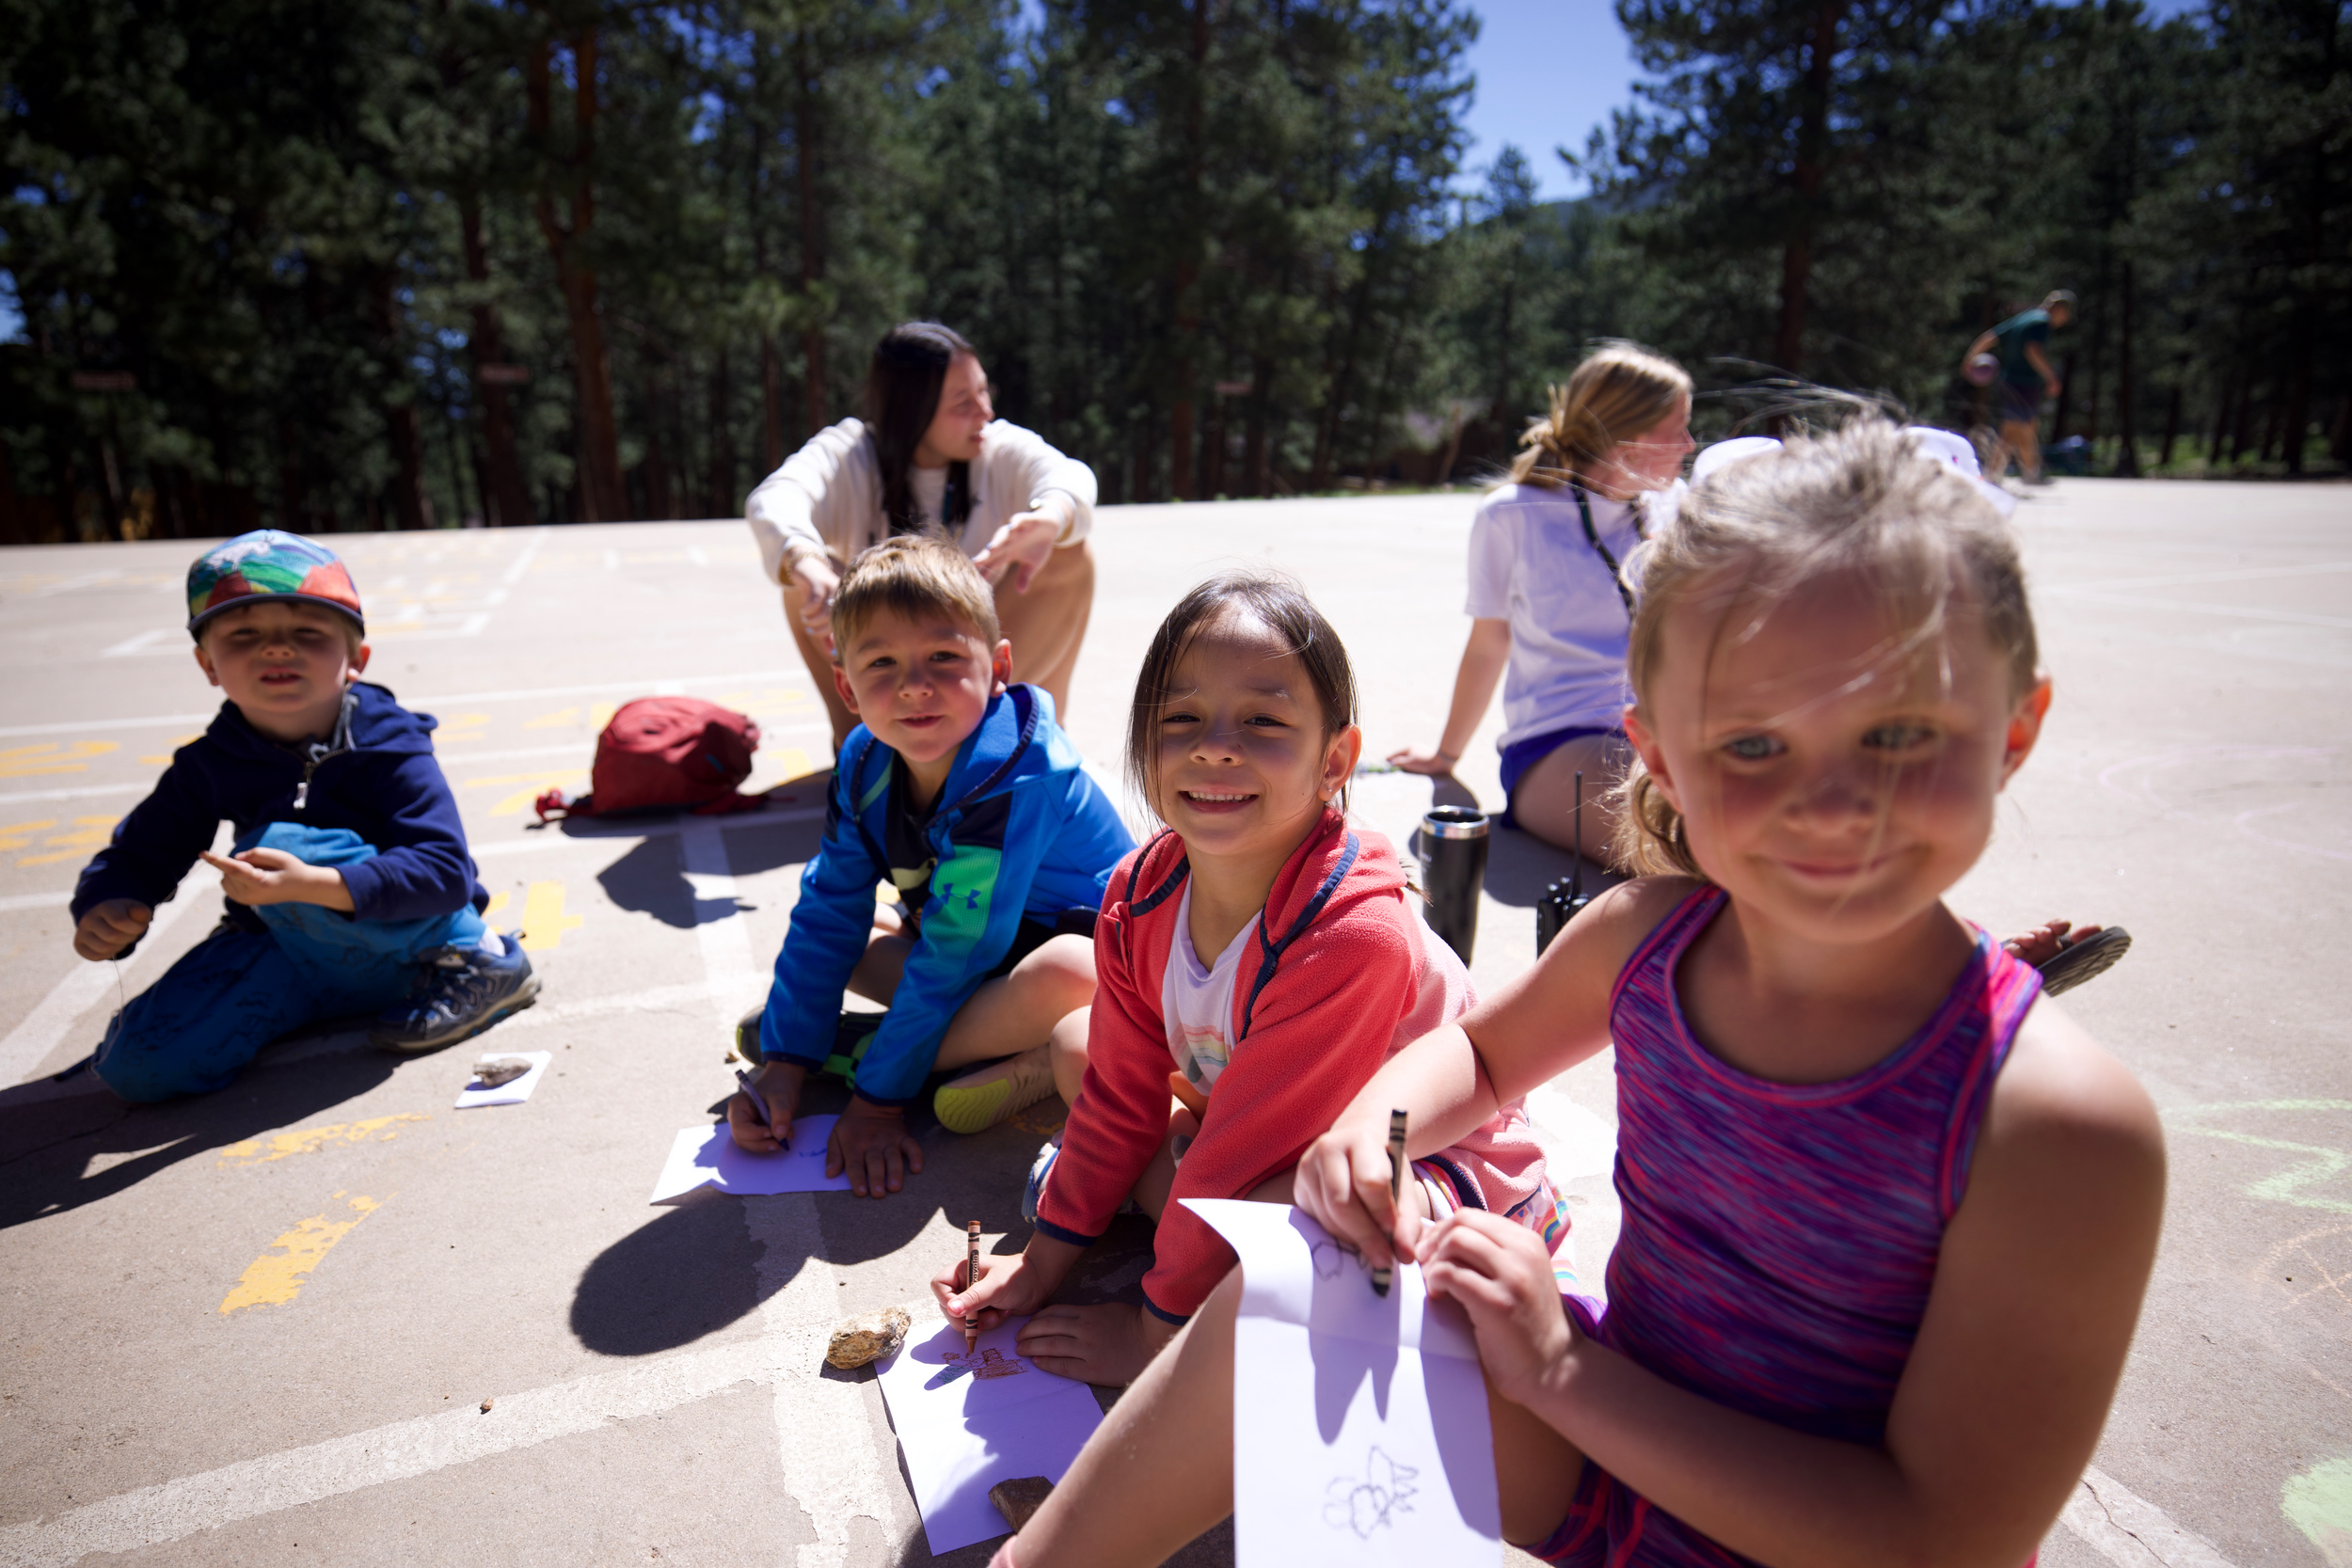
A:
x: 377, y: 776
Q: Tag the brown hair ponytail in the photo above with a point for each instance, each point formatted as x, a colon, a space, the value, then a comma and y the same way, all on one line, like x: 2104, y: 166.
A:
x: 1620, y: 390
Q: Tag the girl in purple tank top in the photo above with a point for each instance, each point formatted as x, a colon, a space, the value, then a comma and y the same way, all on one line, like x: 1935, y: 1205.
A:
x: 1887, y: 1221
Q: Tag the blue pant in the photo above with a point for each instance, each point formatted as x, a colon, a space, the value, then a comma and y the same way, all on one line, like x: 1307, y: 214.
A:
x: 192, y: 1031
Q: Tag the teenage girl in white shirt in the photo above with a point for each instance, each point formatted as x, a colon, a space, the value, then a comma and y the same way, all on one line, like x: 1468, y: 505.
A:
x: 930, y: 455
x: 1545, y: 601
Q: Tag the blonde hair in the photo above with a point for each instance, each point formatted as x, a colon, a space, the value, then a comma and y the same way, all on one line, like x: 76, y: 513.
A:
x: 914, y: 574
x: 1861, y: 498
x: 1620, y: 390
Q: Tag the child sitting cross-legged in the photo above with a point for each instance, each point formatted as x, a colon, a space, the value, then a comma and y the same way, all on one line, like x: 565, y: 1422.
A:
x: 350, y: 887
x: 961, y: 792
x: 1259, y: 960
x: 1888, y: 1213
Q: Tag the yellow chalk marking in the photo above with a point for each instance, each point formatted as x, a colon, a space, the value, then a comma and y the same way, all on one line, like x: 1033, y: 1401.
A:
x: 551, y: 720
x: 795, y: 761
x: 544, y: 919
x: 49, y: 756
x: 601, y: 715
x: 277, y: 1277
x: 766, y: 699
x: 68, y: 846
x: 465, y: 727
x: 533, y: 783
x: 253, y: 1152
x: 16, y: 835
x: 162, y: 758
x: 498, y: 901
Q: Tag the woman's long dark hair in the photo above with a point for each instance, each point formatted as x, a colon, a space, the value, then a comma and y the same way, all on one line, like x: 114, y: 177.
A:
x: 901, y: 398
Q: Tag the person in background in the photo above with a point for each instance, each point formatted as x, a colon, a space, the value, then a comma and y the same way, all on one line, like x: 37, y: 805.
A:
x: 931, y: 456
x: 1546, y: 604
x: 2022, y: 343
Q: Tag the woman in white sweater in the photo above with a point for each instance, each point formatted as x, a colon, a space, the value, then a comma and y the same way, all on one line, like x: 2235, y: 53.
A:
x: 931, y: 456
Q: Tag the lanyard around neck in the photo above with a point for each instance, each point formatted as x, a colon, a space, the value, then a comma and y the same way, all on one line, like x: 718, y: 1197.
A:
x: 1616, y: 575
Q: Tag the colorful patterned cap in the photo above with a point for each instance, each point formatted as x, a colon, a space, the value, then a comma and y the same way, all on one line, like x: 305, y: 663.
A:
x: 269, y: 564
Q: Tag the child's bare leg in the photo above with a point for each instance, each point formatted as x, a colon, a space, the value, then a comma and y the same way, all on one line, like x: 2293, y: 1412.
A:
x: 876, y: 976
x: 1068, y: 1047
x: 1018, y: 1012
x: 1545, y: 803
x: 1159, y: 1470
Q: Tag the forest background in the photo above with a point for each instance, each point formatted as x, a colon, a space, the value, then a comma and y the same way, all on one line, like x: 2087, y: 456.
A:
x: 328, y: 264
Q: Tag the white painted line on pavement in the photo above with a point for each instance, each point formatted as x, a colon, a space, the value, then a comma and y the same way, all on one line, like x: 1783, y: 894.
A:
x: 729, y: 965
x: 2130, y: 1532
x: 82, y: 793
x: 178, y: 1508
x: 92, y: 726
x: 35, y: 900
x: 831, y: 1467
x: 74, y: 995
x: 2174, y: 579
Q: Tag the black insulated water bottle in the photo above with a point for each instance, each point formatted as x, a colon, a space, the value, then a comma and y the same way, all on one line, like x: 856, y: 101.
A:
x: 1452, y: 870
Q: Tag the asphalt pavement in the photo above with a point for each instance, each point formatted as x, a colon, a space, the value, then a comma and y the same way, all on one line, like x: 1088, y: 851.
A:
x: 324, y: 1316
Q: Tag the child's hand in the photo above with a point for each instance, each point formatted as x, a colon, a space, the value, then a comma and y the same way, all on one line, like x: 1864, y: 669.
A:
x: 1009, y: 1288
x: 1342, y: 1183
x: 1433, y: 762
x: 111, y: 927
x: 870, y: 1142
x: 778, y: 1085
x: 258, y: 877
x: 1501, y: 1275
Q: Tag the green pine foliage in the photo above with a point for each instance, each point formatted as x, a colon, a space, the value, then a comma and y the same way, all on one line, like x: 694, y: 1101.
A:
x: 385, y: 264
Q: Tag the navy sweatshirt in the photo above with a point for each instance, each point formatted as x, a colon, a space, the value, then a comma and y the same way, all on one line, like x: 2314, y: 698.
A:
x: 378, y: 778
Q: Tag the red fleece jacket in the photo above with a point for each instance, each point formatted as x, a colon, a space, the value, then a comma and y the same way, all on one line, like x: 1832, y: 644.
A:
x: 1336, y: 978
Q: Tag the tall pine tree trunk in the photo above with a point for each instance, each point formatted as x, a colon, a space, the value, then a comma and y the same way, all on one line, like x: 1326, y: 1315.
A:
x: 506, y: 501
x: 724, y: 500
x: 808, y: 136
x: 603, y: 497
x: 2126, y: 405
x: 1180, y: 445
x: 1796, y: 262
x: 400, y: 418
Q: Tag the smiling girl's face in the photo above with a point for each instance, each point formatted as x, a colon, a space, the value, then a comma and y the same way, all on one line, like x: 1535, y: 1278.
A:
x: 1242, y: 764
x: 1829, y: 778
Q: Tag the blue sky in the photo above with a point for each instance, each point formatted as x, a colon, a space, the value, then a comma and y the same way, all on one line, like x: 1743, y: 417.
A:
x: 1550, y: 70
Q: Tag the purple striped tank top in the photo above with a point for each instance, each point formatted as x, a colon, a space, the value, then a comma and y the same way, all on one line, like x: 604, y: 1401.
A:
x: 1780, y: 1239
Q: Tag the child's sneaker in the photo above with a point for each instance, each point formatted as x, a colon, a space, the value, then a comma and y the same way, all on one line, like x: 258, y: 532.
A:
x: 462, y: 991
x: 986, y: 1096
x: 1040, y: 1168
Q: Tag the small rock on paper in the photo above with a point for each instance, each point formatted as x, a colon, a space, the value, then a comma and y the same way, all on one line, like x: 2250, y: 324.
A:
x: 707, y: 1156
x: 1019, y: 1500
x: 514, y: 1092
x: 967, y: 1422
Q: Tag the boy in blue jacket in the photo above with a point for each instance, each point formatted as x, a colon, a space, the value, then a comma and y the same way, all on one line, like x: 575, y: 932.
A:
x: 349, y: 886
x: 961, y: 791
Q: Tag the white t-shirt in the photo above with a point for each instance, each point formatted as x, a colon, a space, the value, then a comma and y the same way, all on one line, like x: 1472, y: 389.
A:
x: 1531, y: 564
x: 1196, y: 999
x: 827, y: 497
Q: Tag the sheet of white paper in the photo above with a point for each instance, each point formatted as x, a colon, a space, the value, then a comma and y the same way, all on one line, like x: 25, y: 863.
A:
x: 514, y: 1092
x: 707, y: 1156
x: 967, y: 1422
x: 1360, y: 1421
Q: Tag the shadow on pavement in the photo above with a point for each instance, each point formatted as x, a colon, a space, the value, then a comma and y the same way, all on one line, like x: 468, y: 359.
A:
x: 651, y: 877
x: 61, y: 1151
x: 1520, y: 866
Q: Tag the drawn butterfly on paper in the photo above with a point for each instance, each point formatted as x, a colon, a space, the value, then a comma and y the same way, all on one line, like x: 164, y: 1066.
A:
x: 1364, y: 1506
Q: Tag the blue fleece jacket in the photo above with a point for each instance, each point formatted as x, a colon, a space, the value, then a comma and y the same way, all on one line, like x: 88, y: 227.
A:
x: 1018, y: 828
x: 378, y: 778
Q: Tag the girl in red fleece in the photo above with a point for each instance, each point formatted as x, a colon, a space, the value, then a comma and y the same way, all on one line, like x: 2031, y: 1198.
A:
x: 1262, y: 947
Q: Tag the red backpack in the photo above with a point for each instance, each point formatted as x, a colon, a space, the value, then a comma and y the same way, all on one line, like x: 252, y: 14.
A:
x: 666, y: 752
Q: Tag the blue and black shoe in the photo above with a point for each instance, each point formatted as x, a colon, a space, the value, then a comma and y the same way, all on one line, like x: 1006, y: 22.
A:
x: 462, y: 991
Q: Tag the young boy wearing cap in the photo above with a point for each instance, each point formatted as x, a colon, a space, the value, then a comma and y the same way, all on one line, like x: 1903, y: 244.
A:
x: 350, y: 888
